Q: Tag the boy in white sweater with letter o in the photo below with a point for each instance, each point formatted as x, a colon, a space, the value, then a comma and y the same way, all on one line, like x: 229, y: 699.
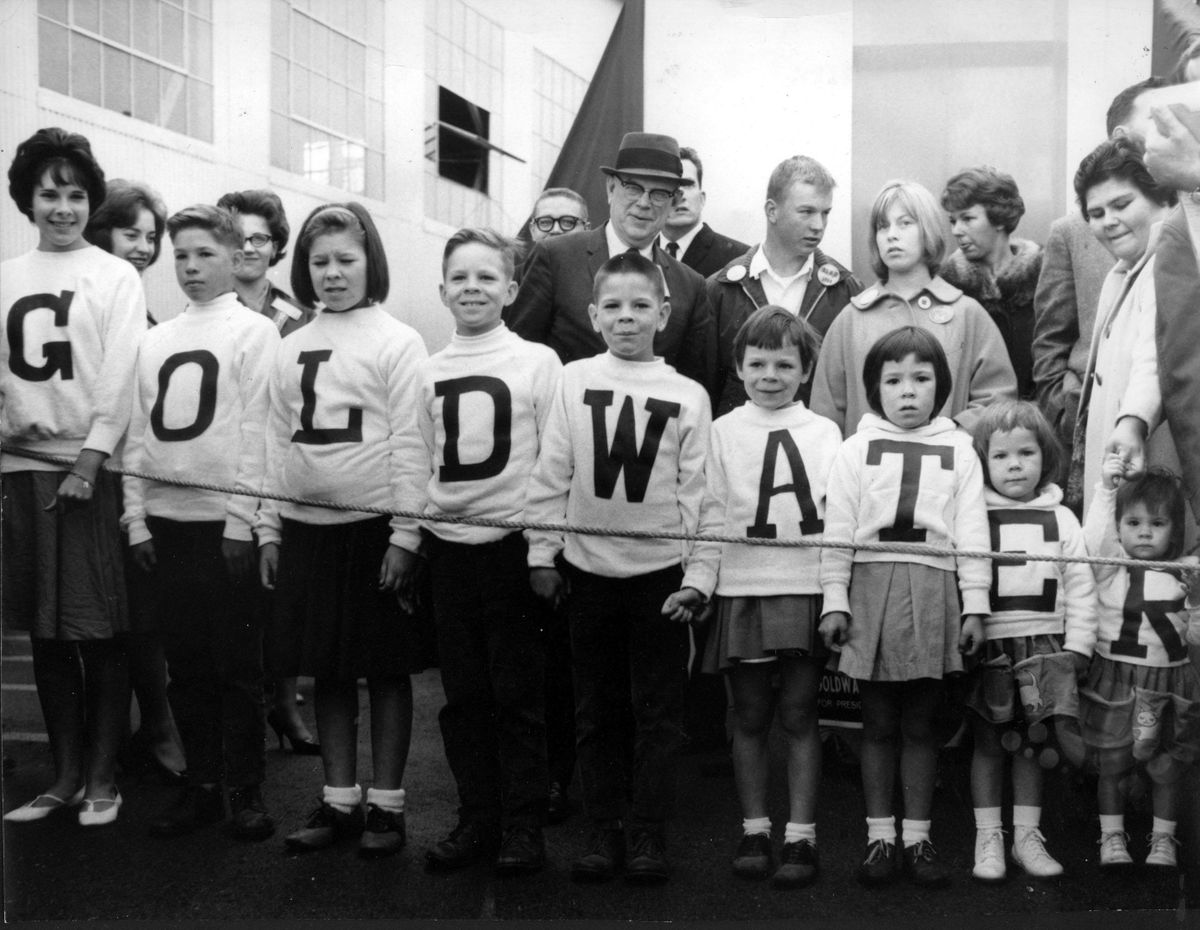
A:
x: 199, y: 415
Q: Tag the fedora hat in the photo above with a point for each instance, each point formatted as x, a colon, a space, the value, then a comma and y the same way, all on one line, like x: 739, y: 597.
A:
x: 649, y: 154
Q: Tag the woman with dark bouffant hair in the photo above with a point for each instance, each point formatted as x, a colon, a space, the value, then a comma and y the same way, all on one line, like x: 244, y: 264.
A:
x: 74, y: 314
x: 992, y: 265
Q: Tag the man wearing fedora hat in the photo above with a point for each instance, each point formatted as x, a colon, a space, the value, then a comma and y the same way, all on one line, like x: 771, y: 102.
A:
x: 556, y: 287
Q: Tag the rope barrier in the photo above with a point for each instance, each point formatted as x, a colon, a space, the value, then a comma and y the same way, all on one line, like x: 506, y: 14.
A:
x: 901, y: 548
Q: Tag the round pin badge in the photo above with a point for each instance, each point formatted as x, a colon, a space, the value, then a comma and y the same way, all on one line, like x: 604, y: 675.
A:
x: 736, y: 273
x: 924, y: 302
x: 828, y: 275
x: 941, y: 315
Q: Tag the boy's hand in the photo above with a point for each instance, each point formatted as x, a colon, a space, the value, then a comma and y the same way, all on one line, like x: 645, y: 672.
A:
x: 833, y: 628
x: 239, y: 557
x: 1112, y: 470
x: 143, y: 555
x: 684, y: 606
x: 1082, y: 663
x: 395, y: 569
x: 971, y: 638
x: 549, y: 585
x: 268, y: 564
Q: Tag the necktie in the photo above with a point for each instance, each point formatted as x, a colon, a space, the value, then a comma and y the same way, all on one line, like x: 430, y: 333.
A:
x: 673, y: 249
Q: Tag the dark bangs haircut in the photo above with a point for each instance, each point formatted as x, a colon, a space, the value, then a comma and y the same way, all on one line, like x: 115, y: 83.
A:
x: 66, y: 155
x: 350, y: 217
x: 1004, y: 416
x: 266, y: 204
x: 993, y: 190
x: 1158, y: 489
x: 1121, y: 159
x: 631, y: 263
x: 772, y: 327
x: 898, y: 345
x: 123, y: 202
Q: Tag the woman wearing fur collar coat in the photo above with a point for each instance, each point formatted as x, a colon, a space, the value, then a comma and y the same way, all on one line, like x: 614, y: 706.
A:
x: 991, y: 265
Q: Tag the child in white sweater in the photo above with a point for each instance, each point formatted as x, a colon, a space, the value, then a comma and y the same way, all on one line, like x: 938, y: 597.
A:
x: 624, y: 449
x: 199, y: 415
x: 768, y: 464
x: 71, y: 314
x: 1040, y: 635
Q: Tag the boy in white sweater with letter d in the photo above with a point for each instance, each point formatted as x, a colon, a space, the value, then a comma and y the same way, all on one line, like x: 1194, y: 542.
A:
x: 199, y: 414
x: 624, y: 449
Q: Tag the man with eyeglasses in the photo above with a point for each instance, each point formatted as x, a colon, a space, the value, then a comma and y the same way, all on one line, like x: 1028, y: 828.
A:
x: 558, y: 210
x: 686, y: 236
x: 556, y: 286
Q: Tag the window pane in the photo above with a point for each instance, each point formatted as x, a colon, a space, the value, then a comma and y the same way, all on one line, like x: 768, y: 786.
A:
x: 297, y: 148
x: 174, y: 100
x: 337, y: 15
x: 116, y: 81
x: 172, y: 34
x: 200, y: 110
x: 200, y: 43
x: 85, y: 68
x: 374, y: 79
x: 356, y: 115
x: 52, y: 57
x: 201, y: 8
x: 87, y: 14
x: 338, y: 55
x: 114, y: 23
x: 145, y: 90
x: 301, y: 102
x: 373, y: 185
x: 357, y: 66
x: 55, y: 9
x: 375, y: 23
x: 145, y: 27
x: 279, y: 84
x: 319, y: 100
x: 318, y: 38
x: 279, y: 137
x: 375, y: 125
x: 337, y: 108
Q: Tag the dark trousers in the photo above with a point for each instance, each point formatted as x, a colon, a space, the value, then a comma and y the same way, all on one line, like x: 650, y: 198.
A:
x: 560, y: 695
x: 212, y: 634
x: 625, y: 650
x: 493, y: 724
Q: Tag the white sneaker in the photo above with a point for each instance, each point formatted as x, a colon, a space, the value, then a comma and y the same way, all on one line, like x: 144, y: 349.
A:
x: 1114, y: 853
x: 1162, y: 850
x: 1029, y: 852
x: 989, y: 856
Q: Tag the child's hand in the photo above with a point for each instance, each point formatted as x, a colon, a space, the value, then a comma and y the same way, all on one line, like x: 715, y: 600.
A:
x: 833, y: 628
x: 549, y: 585
x: 1082, y: 663
x: 1112, y: 470
x: 268, y: 564
x: 143, y: 555
x: 1128, y: 442
x: 239, y: 557
x: 395, y: 569
x: 1191, y: 578
x: 684, y: 606
x: 971, y: 638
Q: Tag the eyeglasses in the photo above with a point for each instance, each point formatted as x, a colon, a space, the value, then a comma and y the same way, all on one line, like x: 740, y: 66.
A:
x: 258, y: 240
x: 565, y: 223
x: 659, y: 196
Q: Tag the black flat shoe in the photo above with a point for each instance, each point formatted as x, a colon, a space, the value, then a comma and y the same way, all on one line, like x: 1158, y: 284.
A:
x: 300, y: 746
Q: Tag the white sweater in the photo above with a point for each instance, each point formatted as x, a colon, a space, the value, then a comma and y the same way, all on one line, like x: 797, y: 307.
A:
x: 1143, y: 627
x: 343, y: 422
x: 624, y: 448
x: 200, y: 412
x: 70, y: 323
x: 492, y: 394
x: 765, y: 477
x: 922, y: 485
x: 1036, y: 598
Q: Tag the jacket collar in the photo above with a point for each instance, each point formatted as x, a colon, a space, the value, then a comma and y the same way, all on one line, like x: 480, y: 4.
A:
x: 938, y: 290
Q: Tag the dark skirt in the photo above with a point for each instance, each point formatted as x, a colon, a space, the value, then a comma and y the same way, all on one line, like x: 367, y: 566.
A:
x: 1023, y: 679
x: 757, y: 629
x: 328, y: 617
x: 63, y: 573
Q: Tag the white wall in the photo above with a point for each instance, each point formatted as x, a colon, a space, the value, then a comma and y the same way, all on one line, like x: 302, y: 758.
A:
x: 748, y: 84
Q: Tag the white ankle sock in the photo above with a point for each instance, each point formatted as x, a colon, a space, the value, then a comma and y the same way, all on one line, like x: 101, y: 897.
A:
x: 342, y: 799
x: 881, y: 828
x: 752, y: 825
x: 387, y: 800
x: 987, y: 818
x: 795, y: 832
x: 1026, y: 817
x: 914, y: 831
x: 1112, y: 823
x: 1163, y: 826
